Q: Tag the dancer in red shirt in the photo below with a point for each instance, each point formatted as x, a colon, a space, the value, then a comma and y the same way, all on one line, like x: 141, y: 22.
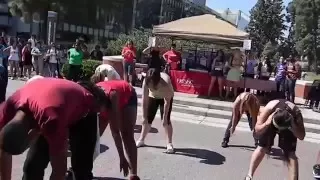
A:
x: 129, y: 55
x: 122, y: 116
x: 48, y: 111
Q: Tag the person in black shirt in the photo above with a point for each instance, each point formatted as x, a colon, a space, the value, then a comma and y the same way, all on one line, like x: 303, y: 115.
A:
x: 96, y: 54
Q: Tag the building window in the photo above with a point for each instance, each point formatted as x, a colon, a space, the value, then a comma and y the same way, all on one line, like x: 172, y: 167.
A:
x: 65, y: 27
x: 90, y: 31
x: 85, y: 30
x: 72, y: 28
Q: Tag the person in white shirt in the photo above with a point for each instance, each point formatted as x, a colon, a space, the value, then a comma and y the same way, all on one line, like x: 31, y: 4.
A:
x: 52, y: 58
x: 14, y: 58
x: 108, y: 71
x: 32, y: 40
x: 37, y: 59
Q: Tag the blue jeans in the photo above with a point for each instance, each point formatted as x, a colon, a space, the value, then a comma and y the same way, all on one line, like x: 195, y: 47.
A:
x: 52, y: 69
x: 290, y: 93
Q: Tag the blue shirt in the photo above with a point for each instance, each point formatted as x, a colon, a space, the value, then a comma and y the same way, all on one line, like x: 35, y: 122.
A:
x: 281, y: 69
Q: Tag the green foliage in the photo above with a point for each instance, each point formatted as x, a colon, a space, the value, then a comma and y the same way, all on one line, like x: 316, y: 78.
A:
x: 270, y: 50
x: 266, y: 23
x: 88, y: 69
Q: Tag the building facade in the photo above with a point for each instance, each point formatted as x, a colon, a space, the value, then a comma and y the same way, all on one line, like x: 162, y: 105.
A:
x: 238, y: 18
x: 199, y: 2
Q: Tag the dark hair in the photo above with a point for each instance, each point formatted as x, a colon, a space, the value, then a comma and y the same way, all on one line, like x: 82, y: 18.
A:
x: 97, y: 92
x: 222, y: 55
x: 153, y: 75
x: 283, y: 118
x: 173, y: 45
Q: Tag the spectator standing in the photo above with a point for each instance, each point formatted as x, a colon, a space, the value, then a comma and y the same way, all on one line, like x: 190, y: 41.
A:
x: 32, y: 40
x: 293, y: 73
x: 52, y: 59
x: 14, y: 58
x: 173, y: 57
x: 27, y: 60
x: 3, y: 55
x: 37, y: 59
x: 280, y: 75
x: 86, y: 54
x: 155, y: 61
x: 129, y: 54
x: 75, y: 57
x: 96, y: 54
x: 20, y: 47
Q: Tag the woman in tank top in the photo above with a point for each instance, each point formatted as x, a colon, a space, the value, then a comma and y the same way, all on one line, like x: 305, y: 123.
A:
x: 157, y: 92
x: 217, y: 67
x: 14, y: 58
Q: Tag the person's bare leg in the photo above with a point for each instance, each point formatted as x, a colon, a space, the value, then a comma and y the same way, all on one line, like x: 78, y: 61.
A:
x: 220, y: 83
x: 169, y: 132
x: 228, y: 89
x: 213, y: 80
x: 256, y: 158
x: 127, y: 133
x: 12, y: 66
x: 235, y: 92
x: 146, y: 127
x: 293, y: 166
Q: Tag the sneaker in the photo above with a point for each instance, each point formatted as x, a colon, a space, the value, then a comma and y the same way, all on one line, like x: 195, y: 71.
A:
x: 316, y: 171
x: 248, y: 177
x: 224, y: 144
x: 170, y: 149
x: 70, y: 175
x: 140, y: 144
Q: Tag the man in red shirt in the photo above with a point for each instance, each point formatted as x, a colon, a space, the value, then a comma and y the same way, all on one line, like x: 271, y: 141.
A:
x: 129, y: 55
x: 44, y: 114
x: 172, y: 57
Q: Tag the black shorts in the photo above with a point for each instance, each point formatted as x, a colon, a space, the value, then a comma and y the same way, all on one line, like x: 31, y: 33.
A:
x: 287, y: 140
x: 153, y: 105
x: 133, y: 101
x: 217, y: 73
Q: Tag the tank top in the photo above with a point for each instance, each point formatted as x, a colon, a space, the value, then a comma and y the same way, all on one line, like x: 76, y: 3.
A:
x: 123, y: 89
x: 218, y: 64
x: 14, y: 54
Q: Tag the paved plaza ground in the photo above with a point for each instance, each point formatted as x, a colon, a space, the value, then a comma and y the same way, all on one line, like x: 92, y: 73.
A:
x: 199, y: 155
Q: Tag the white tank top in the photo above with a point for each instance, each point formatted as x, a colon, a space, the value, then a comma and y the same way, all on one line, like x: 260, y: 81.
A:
x: 14, y: 54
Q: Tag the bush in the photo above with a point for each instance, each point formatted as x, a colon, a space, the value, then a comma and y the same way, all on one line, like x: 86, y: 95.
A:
x: 88, y: 68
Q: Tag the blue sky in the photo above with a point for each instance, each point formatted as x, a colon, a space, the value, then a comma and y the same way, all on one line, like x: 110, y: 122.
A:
x: 243, y: 5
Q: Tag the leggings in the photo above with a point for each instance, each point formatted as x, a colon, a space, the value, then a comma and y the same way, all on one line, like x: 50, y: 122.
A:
x: 82, y: 139
x: 227, y: 134
x: 153, y: 105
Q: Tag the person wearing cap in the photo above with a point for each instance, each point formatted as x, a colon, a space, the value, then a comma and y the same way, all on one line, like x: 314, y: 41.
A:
x: 44, y: 114
x: 284, y: 118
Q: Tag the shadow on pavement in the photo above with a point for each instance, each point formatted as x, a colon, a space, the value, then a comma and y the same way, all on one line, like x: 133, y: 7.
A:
x: 206, y: 156
x: 250, y: 148
x: 108, y: 178
x: 103, y: 148
x: 138, y: 128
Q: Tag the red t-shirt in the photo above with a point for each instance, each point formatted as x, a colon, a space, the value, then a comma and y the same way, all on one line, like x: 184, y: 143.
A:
x: 129, y: 57
x: 55, y: 104
x: 173, y: 58
x: 123, y: 89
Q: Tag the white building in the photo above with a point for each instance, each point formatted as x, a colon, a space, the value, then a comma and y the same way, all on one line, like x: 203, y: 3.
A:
x: 199, y: 2
x: 238, y: 18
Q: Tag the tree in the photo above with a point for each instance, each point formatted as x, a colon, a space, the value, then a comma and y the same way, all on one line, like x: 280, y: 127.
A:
x: 307, y: 30
x: 266, y: 23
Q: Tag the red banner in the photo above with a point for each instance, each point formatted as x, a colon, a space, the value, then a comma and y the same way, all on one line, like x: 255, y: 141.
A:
x: 190, y: 82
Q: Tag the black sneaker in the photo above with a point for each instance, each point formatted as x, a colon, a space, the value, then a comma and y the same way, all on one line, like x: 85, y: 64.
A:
x: 316, y: 171
x: 224, y: 144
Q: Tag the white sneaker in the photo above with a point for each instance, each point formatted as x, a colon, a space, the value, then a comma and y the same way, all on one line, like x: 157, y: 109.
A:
x: 170, y: 149
x: 140, y: 143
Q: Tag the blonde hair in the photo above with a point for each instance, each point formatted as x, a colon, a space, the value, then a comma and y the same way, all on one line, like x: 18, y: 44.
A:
x: 97, y: 77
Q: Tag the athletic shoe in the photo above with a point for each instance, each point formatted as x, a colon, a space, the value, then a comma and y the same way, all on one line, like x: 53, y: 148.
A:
x: 140, y: 143
x: 224, y: 144
x: 316, y: 171
x: 248, y: 177
x: 170, y: 149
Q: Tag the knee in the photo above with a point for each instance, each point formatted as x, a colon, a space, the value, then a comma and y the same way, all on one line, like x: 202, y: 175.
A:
x: 262, y: 150
x: 292, y: 156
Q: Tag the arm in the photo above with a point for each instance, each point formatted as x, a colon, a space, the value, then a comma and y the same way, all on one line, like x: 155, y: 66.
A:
x: 236, y: 112
x: 264, y: 121
x: 5, y: 165
x: 145, y: 99
x: 115, y: 123
x: 164, y: 56
x: 297, y: 127
x: 146, y: 50
x: 123, y: 52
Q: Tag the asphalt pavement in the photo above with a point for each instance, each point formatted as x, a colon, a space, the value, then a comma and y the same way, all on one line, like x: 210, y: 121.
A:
x: 199, y: 155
